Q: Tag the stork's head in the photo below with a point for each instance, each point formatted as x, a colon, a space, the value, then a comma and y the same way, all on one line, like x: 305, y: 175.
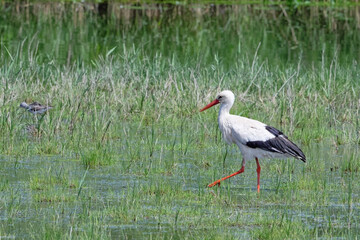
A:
x: 225, y: 97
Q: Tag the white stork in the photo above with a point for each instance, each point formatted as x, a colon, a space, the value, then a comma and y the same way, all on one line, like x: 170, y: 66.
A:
x: 254, y: 139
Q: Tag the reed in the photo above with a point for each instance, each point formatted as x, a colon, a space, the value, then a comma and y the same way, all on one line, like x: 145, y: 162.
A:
x: 124, y: 153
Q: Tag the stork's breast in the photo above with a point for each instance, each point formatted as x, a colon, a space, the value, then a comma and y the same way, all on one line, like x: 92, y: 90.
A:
x: 226, y: 133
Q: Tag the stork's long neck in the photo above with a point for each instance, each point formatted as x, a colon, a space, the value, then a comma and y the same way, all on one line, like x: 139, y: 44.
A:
x: 225, y: 109
x: 223, y: 120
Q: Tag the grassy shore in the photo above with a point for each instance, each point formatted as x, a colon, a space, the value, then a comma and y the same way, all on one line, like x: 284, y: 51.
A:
x: 125, y: 153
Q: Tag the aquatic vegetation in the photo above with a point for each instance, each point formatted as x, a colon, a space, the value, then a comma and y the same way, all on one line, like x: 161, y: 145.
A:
x: 125, y: 153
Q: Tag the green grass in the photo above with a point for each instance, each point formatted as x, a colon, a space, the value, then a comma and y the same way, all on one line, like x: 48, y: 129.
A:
x: 125, y: 152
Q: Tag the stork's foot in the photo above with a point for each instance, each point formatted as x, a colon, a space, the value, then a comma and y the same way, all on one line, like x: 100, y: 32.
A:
x: 217, y: 182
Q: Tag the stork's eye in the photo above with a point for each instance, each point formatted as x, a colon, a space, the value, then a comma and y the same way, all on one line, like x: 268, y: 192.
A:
x: 220, y: 97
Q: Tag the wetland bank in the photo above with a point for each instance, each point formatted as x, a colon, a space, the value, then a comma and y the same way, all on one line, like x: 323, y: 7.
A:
x: 125, y: 154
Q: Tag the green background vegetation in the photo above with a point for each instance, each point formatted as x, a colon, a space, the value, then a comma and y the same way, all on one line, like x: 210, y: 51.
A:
x: 125, y: 153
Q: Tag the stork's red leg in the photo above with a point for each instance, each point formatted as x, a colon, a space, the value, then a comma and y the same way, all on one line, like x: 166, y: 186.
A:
x: 258, y: 170
x: 217, y: 182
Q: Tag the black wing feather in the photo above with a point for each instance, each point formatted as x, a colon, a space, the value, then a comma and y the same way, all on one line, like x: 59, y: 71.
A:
x: 274, y: 131
x: 280, y: 144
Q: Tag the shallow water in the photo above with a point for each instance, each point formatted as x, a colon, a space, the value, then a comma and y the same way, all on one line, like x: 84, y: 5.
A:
x: 106, y: 188
x: 154, y: 184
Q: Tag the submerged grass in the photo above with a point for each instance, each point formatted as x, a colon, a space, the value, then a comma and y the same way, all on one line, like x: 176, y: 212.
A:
x: 124, y: 153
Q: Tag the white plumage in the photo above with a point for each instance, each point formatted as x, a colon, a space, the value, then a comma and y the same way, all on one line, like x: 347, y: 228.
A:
x: 254, y: 139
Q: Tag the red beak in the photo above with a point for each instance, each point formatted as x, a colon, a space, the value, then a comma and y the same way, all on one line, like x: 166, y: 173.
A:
x: 210, y: 105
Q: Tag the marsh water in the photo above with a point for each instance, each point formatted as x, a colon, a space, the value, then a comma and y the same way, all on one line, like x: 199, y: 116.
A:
x: 29, y: 208
x: 125, y: 154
